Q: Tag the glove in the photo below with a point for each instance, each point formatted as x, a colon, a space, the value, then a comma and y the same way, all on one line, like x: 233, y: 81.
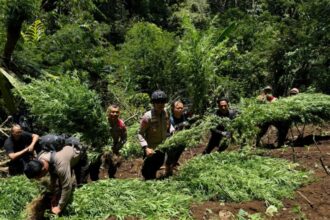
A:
x: 226, y: 134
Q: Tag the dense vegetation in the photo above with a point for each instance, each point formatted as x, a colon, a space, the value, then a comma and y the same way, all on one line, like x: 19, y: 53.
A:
x: 221, y: 177
x: 69, y: 59
x: 192, y: 49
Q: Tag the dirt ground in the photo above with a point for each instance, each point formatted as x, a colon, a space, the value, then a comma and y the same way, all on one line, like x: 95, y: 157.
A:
x: 309, y: 202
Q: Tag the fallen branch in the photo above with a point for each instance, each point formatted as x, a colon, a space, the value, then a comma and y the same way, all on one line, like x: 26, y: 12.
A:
x: 292, y: 147
x: 321, y: 157
x: 3, y: 132
x: 7, y: 119
x: 131, y: 117
x: 304, y: 197
x: 4, y: 163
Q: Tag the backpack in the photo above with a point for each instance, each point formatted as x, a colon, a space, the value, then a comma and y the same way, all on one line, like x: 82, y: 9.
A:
x: 52, y: 142
x: 74, y: 142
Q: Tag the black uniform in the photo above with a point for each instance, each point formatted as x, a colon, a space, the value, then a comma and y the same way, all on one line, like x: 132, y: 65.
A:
x: 178, y: 124
x: 11, y: 146
x: 218, y: 133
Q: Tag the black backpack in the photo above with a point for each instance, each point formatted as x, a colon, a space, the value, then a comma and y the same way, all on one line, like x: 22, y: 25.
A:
x: 74, y: 142
x: 52, y: 142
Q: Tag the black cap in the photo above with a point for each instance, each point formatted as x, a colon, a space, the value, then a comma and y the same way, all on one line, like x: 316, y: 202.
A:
x: 33, y: 169
x: 158, y: 97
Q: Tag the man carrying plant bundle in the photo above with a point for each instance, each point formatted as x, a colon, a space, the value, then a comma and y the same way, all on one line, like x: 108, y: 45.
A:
x: 60, y: 164
x: 19, y: 147
x: 154, y: 128
x: 281, y: 126
x: 179, y: 120
x: 118, y: 133
x: 220, y: 131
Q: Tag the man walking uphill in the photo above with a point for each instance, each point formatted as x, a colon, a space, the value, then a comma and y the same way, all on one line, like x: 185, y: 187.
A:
x: 154, y: 128
x: 220, y: 131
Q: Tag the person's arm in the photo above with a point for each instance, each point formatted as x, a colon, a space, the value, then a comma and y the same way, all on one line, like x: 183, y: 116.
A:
x: 123, y: 137
x: 65, y: 178
x: 35, y: 138
x: 14, y: 156
x: 144, y: 124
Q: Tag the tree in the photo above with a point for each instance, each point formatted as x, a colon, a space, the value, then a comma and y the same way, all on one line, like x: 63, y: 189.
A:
x: 16, y: 13
x: 145, y: 60
x: 199, y: 58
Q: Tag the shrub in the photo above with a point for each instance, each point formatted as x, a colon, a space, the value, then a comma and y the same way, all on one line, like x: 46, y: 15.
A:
x: 65, y: 105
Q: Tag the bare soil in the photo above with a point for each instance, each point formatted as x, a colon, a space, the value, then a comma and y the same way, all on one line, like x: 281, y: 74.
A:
x: 309, y: 202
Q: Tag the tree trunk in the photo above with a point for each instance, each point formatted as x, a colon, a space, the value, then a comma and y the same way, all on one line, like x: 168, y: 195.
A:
x: 13, y: 34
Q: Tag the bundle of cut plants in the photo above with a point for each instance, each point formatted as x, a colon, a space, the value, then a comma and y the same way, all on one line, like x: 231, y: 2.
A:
x: 64, y: 104
x: 192, y: 137
x: 302, y: 108
x: 130, y: 198
x: 241, y: 176
x: 223, y: 177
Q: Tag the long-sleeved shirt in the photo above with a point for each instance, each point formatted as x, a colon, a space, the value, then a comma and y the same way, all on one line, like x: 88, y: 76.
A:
x: 154, y: 129
x: 61, y: 169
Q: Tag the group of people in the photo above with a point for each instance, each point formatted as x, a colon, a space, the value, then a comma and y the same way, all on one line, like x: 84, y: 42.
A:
x: 266, y: 95
x: 282, y: 126
x: 155, y: 126
x: 70, y: 158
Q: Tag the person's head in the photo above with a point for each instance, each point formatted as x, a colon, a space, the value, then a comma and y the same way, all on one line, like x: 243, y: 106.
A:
x: 294, y: 91
x: 223, y: 105
x: 177, y: 108
x: 36, y: 169
x: 113, y: 112
x: 158, y: 99
x: 268, y: 90
x: 16, y: 131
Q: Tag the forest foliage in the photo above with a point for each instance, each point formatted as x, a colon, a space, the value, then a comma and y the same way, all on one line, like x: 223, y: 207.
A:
x: 192, y: 49
x: 104, y: 52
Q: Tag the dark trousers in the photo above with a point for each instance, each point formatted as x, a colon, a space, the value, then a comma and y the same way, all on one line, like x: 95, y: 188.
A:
x: 282, y: 131
x: 173, y: 155
x: 214, y: 141
x: 152, y: 164
x: 94, y: 167
x: 81, y: 169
